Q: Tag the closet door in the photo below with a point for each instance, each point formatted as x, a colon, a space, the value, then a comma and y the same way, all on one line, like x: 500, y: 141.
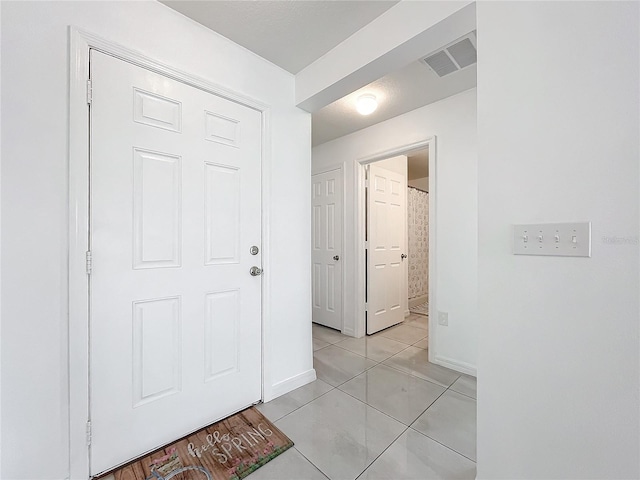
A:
x: 327, y: 248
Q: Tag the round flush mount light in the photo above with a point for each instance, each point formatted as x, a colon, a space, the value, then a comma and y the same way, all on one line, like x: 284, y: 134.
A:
x: 366, y: 104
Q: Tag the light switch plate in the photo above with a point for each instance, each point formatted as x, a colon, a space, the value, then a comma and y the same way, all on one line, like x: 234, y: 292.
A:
x: 443, y: 319
x: 553, y: 239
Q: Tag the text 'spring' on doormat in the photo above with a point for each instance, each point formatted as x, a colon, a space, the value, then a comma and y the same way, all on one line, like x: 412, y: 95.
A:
x: 227, y: 450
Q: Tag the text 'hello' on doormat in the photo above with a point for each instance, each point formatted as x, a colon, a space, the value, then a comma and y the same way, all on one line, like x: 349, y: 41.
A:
x: 227, y: 450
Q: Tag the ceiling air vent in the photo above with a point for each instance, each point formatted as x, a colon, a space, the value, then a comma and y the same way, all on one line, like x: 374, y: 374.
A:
x: 454, y: 57
x: 441, y: 63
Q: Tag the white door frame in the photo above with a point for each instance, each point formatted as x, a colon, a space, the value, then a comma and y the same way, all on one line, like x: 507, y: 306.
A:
x: 359, y: 208
x: 79, y: 176
x: 343, y: 213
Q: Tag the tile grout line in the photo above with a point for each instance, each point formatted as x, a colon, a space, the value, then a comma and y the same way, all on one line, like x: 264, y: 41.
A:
x: 406, y: 427
x: 463, y: 394
x: 444, y: 445
x: 387, y: 338
x: 446, y: 389
x: 363, y: 356
x: 307, y: 403
x: 377, y: 363
x: 390, y: 366
x: 314, y: 465
x: 432, y: 403
x: 382, y: 452
x: 377, y: 409
x: 416, y: 376
x: 397, y: 370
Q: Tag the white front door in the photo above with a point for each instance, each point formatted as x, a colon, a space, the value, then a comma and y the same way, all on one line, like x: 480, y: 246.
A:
x: 175, y: 316
x: 386, y: 271
x: 327, y: 248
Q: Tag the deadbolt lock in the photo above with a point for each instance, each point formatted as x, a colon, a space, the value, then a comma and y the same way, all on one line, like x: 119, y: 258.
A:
x: 254, y: 250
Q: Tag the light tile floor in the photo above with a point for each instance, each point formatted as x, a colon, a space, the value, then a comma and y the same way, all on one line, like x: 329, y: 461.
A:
x: 378, y: 410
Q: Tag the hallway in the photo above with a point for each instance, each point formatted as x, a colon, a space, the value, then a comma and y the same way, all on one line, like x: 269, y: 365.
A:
x: 378, y: 410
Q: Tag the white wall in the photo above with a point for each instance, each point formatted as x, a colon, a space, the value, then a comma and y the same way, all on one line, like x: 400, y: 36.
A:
x: 558, y: 124
x: 34, y: 206
x: 453, y: 121
x: 0, y: 254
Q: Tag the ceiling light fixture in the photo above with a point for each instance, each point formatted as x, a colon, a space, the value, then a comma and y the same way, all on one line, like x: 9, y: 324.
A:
x: 366, y: 104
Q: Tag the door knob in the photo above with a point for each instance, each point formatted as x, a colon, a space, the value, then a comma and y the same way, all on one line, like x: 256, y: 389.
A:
x: 403, y: 256
x: 255, y: 271
x: 336, y: 257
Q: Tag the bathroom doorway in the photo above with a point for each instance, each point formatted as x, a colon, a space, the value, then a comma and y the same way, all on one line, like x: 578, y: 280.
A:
x: 418, y: 232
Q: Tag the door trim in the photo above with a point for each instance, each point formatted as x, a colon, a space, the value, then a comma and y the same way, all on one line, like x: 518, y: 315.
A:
x: 359, y: 209
x: 80, y: 42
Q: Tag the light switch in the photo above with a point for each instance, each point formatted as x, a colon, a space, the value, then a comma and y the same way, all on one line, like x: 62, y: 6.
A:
x: 553, y: 239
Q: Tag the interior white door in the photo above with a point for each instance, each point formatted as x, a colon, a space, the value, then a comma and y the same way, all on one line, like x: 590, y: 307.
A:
x: 175, y: 207
x: 327, y: 248
x: 386, y: 236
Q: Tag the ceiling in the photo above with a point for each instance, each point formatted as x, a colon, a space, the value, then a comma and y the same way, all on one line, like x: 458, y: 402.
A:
x: 294, y: 33
x: 414, y: 86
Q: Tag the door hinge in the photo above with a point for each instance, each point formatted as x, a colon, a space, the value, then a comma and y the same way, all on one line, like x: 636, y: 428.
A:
x: 89, y: 92
x: 88, y: 433
x: 366, y: 307
x: 366, y: 183
x: 89, y: 262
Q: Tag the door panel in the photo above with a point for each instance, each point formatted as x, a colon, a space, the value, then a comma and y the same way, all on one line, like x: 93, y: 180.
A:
x: 157, y: 209
x: 386, y: 285
x: 175, y: 207
x: 327, y: 245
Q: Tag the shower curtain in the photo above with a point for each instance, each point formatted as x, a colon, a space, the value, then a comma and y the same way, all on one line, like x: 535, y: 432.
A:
x: 418, y: 232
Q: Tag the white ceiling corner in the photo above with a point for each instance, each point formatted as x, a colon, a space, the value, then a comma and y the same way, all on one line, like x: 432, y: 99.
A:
x: 292, y: 33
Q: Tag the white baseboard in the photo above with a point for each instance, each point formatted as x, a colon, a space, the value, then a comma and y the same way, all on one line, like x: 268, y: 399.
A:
x: 462, y: 367
x: 285, y: 386
x: 406, y: 313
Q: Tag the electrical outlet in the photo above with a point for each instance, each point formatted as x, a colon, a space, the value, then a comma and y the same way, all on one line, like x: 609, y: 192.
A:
x: 443, y: 318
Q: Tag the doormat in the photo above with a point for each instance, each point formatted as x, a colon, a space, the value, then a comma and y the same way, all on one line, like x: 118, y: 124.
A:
x: 422, y: 309
x: 227, y: 450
